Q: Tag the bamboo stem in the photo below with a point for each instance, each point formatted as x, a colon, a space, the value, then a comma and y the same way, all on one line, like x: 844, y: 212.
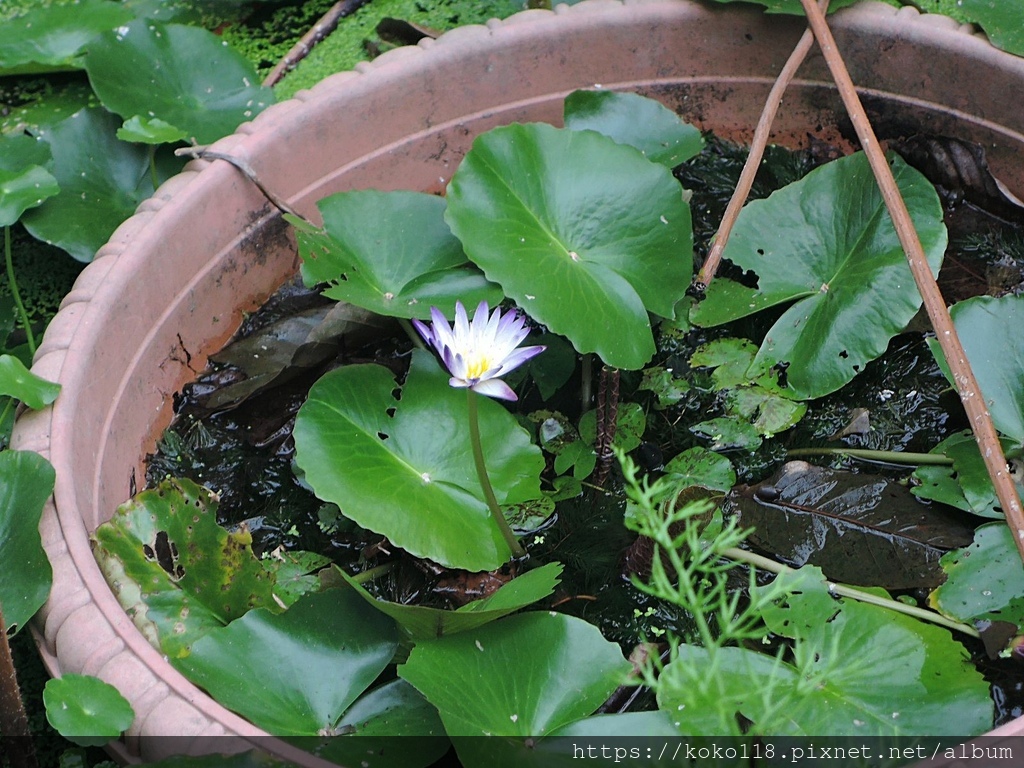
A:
x: 753, y: 161
x: 935, y: 305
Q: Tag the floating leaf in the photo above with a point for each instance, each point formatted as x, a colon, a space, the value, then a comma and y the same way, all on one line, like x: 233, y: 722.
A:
x: 141, y: 130
x: 767, y: 412
x: 53, y: 35
x: 391, y: 253
x: 827, y: 244
x: 86, y: 710
x: 422, y: 622
x: 996, y: 356
x: 584, y: 234
x: 321, y: 654
x: 630, y: 423
x: 26, y: 482
x: 984, y: 580
x: 966, y: 484
x: 699, y: 466
x: 24, y: 183
x: 102, y: 181
x: 294, y: 573
x: 1000, y: 20
x: 174, y: 570
x: 728, y: 432
x: 860, y: 529
x: 185, y: 76
x: 403, y: 467
x: 488, y: 681
x: 19, y: 382
x: 636, y: 121
x: 663, y: 383
x: 730, y: 357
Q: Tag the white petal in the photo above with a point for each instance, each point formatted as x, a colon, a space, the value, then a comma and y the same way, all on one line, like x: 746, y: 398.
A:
x: 494, y: 388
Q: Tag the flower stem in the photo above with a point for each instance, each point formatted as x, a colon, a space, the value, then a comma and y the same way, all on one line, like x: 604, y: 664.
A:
x: 154, y: 177
x: 764, y: 563
x: 892, y: 457
x: 370, y: 574
x: 417, y: 340
x: 485, y: 481
x: 15, y: 293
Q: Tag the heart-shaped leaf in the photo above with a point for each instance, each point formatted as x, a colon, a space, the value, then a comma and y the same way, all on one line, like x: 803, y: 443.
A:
x: 699, y: 466
x: 26, y: 482
x: 174, y: 570
x: 966, y: 484
x: 827, y: 243
x: 141, y: 130
x: 996, y: 356
x: 53, y: 34
x: 525, y: 675
x: 639, y: 122
x: 86, y: 710
x: 313, y: 661
x: 102, y: 181
x: 421, y: 622
x: 404, y: 467
x: 185, y: 76
x: 584, y: 233
x: 1000, y: 20
x: 24, y: 183
x: 391, y: 253
x: 19, y: 382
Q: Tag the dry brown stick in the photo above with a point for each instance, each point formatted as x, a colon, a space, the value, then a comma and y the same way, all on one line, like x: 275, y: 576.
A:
x: 963, y: 376
x: 757, y: 147
x: 327, y: 24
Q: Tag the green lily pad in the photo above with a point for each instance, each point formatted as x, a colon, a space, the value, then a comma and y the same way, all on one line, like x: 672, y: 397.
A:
x: 141, y: 130
x: 102, y: 181
x: 586, y: 235
x: 54, y: 34
x: 984, y: 580
x: 728, y: 432
x: 636, y: 121
x: 24, y: 183
x: 174, y: 570
x: 421, y: 622
x: 26, y: 482
x: 666, y: 387
x: 996, y: 355
x: 391, y: 253
x: 966, y: 484
x: 827, y: 244
x: 630, y: 423
x: 404, y: 467
x: 19, y: 382
x: 86, y: 710
x: 1000, y: 20
x: 490, y: 681
x: 321, y: 654
x: 767, y: 412
x: 699, y: 466
x: 295, y: 573
x: 185, y: 76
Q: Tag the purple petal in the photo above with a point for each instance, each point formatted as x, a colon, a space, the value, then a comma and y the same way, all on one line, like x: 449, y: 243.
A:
x: 494, y: 388
x: 424, y: 330
x: 458, y: 383
x: 519, y: 356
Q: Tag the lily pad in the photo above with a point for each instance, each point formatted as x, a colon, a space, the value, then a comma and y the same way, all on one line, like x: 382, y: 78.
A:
x: 585, y: 234
x: 141, y: 130
x: 699, y: 466
x: 184, y: 76
x: 421, y: 622
x: 628, y: 118
x: 102, y: 181
x: 323, y: 652
x: 966, y: 484
x: 54, y: 34
x: 860, y: 529
x: 24, y: 183
x: 1000, y: 20
x: 19, y: 382
x: 391, y: 253
x: 728, y: 432
x: 666, y: 387
x: 849, y: 282
x: 174, y: 570
x: 984, y: 580
x: 86, y: 710
x: 404, y: 468
x: 488, y: 682
x: 26, y: 482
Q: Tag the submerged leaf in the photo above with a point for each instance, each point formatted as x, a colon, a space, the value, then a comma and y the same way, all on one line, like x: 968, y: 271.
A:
x: 575, y: 227
x: 827, y: 244
x: 323, y: 652
x: 391, y: 253
x: 421, y: 622
x: 860, y: 529
x: 404, y: 468
x: 487, y: 681
x: 636, y: 121
x: 174, y: 570
x: 26, y: 482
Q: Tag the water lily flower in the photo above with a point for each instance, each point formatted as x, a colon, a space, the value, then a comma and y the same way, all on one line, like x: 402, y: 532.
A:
x: 477, y: 353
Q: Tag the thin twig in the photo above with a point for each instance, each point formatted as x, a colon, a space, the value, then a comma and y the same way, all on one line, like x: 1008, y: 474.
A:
x: 761, y: 134
x: 205, y: 153
x: 935, y: 305
x: 327, y: 24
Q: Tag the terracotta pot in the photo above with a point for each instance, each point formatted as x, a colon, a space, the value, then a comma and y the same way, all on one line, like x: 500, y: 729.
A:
x: 172, y: 283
